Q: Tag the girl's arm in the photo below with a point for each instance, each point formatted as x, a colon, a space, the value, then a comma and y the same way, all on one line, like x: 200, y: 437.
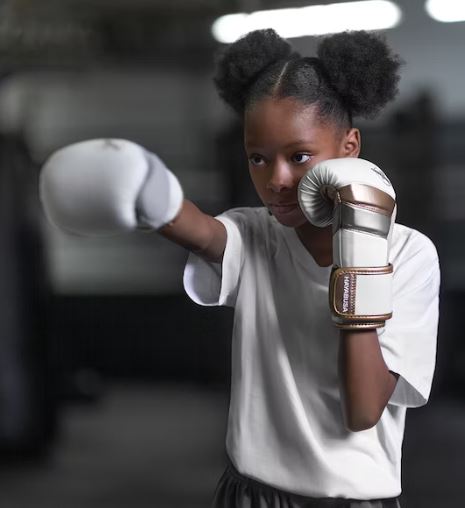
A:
x: 365, y: 381
x: 198, y: 232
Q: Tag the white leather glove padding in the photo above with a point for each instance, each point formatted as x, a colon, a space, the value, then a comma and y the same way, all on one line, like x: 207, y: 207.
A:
x: 93, y: 187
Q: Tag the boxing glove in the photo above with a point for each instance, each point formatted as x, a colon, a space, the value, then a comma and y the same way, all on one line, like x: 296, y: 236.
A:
x: 106, y: 186
x: 357, y: 198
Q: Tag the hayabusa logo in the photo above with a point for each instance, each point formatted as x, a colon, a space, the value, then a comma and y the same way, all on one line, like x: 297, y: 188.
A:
x: 382, y: 175
x: 346, y: 293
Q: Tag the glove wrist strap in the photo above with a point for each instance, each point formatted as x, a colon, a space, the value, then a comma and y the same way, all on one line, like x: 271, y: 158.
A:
x: 361, y: 297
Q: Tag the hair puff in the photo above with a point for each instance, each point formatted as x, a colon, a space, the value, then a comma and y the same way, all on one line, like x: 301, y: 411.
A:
x: 238, y: 64
x: 362, y: 69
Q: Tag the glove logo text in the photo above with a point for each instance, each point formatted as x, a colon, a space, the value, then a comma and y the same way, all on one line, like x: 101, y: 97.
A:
x: 346, y: 293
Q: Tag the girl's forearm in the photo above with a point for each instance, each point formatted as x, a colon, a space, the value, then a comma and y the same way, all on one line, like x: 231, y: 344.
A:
x: 197, y: 232
x: 365, y: 381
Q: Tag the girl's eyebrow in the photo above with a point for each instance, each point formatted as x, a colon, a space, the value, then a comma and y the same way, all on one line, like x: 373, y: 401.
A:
x: 251, y: 146
x: 299, y: 142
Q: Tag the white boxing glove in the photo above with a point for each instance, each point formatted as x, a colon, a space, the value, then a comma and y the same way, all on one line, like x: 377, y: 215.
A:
x: 357, y: 198
x: 105, y: 186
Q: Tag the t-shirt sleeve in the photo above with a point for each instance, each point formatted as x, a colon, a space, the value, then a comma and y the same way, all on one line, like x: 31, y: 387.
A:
x: 210, y: 284
x: 408, y: 341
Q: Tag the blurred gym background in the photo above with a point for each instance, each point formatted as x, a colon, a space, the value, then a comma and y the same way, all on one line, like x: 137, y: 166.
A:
x: 113, y: 384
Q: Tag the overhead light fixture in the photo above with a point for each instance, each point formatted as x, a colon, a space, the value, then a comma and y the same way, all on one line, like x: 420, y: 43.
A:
x: 312, y: 20
x: 446, y: 11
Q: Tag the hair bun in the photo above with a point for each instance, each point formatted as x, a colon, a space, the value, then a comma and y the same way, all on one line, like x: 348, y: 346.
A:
x: 362, y: 69
x: 239, y: 63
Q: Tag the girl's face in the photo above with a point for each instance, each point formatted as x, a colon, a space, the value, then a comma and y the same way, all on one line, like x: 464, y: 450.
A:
x: 283, y: 140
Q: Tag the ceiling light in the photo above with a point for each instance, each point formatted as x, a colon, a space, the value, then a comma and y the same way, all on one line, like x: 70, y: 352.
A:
x: 446, y: 11
x: 312, y: 20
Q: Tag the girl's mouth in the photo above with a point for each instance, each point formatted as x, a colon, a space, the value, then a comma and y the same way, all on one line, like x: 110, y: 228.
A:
x: 282, y: 207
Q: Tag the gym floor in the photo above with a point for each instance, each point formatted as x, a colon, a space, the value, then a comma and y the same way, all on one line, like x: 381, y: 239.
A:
x: 161, y: 446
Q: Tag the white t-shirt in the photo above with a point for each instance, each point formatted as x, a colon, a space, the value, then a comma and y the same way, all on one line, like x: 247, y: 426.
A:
x: 285, y: 425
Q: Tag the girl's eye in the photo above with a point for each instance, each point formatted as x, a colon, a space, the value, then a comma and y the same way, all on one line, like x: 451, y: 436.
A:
x: 301, y: 158
x: 256, y: 160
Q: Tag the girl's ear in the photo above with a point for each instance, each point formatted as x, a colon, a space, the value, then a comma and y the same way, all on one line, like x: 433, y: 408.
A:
x: 351, y: 143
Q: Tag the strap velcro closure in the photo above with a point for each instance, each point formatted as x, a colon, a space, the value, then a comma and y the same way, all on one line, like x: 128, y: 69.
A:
x: 362, y: 295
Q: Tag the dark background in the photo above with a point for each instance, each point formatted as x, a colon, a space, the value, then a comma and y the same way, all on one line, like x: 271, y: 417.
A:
x: 113, y: 384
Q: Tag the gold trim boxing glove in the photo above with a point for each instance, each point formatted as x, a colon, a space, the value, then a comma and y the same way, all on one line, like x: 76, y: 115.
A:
x: 357, y: 198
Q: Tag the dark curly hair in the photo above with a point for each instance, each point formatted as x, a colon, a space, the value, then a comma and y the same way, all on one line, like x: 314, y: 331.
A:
x: 353, y: 74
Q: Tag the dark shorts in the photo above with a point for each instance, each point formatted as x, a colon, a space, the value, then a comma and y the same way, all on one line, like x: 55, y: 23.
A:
x: 237, y: 491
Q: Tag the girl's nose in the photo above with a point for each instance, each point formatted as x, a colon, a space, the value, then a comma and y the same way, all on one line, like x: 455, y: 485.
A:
x: 281, y: 177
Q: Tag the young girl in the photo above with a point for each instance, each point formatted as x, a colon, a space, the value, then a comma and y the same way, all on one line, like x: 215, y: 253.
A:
x: 302, y: 428
x: 318, y: 396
